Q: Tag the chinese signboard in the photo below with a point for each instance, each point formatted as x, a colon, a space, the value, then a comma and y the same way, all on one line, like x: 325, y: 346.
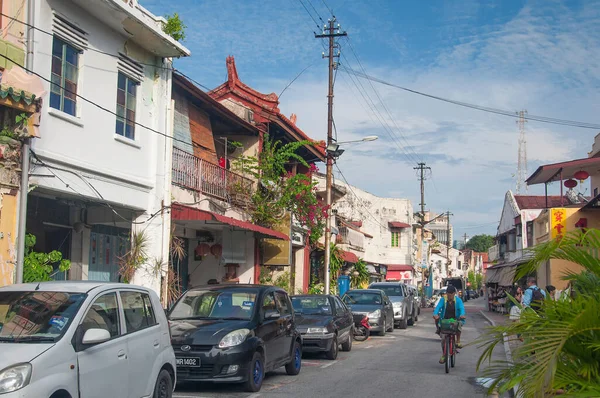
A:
x: 558, y: 222
x: 277, y: 251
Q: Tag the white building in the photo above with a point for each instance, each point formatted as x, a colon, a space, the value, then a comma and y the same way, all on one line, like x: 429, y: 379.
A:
x: 386, y: 224
x: 98, y: 176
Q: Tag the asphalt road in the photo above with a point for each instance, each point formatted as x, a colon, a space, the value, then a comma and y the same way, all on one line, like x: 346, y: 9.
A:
x: 403, y: 363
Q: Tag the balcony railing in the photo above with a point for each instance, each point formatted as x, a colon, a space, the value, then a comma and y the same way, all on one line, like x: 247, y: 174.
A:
x: 208, y: 178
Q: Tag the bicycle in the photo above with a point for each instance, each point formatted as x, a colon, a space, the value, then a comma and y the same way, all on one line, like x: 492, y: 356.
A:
x: 449, y: 328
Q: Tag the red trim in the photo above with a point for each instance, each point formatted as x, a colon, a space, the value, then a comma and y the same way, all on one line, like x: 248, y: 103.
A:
x: 185, y: 213
x: 399, y: 268
x: 349, y: 257
x: 398, y: 224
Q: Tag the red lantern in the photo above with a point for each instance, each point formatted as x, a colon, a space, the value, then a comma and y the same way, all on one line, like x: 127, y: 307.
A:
x: 570, y: 184
x: 216, y: 250
x: 581, y: 175
x: 202, y: 249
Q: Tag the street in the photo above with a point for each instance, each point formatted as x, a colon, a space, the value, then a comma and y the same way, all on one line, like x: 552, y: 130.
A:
x: 404, y: 363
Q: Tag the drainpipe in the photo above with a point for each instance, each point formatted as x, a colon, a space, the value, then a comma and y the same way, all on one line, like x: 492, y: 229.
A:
x: 22, y: 215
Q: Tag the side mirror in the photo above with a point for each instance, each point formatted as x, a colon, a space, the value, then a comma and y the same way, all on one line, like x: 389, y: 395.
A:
x: 272, y: 314
x: 95, y: 336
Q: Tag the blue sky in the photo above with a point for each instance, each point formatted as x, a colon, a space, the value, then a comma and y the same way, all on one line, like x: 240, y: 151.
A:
x: 539, y: 55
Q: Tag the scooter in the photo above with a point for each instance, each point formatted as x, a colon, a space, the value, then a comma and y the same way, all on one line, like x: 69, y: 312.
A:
x: 361, y: 327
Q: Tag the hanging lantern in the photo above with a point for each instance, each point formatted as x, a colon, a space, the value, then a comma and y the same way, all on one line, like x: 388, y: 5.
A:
x: 202, y: 249
x: 581, y: 175
x: 216, y: 250
x: 570, y: 183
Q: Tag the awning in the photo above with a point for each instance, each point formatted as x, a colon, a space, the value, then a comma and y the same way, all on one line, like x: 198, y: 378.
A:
x: 552, y: 172
x: 349, y: 257
x: 393, y: 276
x: 399, y: 267
x: 503, y: 275
x: 398, y: 224
x: 185, y: 213
x: 593, y: 204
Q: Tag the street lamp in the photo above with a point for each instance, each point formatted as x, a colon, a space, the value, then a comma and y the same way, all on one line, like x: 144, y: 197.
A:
x: 333, y: 151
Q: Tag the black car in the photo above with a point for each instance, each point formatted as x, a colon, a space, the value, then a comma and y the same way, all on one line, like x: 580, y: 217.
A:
x: 324, y: 323
x: 234, y: 334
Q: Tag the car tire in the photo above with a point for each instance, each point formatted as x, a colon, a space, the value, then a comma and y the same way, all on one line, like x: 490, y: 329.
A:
x: 347, y: 346
x: 256, y: 373
x: 411, y: 320
x: 383, y: 327
x: 293, y: 367
x: 164, y: 385
x: 404, y: 323
x: 417, y: 317
x: 333, y: 351
x: 391, y: 328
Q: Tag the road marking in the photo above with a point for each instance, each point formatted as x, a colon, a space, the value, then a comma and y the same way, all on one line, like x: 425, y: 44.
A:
x: 369, y: 346
x: 386, y: 337
x: 328, y: 364
x: 253, y: 395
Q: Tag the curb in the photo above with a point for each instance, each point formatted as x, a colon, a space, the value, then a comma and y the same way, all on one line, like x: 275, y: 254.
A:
x: 507, y: 350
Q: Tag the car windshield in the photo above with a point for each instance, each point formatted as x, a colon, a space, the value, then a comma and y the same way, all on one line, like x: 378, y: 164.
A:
x: 37, y: 316
x: 362, y: 298
x: 390, y: 290
x: 312, y: 305
x: 216, y: 304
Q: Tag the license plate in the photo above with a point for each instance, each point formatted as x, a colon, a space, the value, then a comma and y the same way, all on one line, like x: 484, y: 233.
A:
x: 188, y: 361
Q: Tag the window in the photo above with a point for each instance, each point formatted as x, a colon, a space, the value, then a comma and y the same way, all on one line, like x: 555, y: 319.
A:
x: 104, y: 314
x: 138, y: 311
x: 339, y: 307
x: 126, y: 100
x: 269, y: 303
x: 65, y: 64
x: 282, y: 303
x: 395, y: 239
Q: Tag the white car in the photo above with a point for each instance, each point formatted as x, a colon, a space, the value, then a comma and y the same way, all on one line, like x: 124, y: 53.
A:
x: 84, y: 339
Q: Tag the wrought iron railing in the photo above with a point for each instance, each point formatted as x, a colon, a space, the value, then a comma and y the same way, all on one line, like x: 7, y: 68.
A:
x: 208, y: 178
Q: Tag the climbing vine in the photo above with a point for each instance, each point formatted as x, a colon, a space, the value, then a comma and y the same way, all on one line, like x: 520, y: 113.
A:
x: 280, y: 191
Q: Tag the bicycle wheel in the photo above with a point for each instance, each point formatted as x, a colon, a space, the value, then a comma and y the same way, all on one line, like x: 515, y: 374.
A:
x: 452, y: 350
x: 447, y: 353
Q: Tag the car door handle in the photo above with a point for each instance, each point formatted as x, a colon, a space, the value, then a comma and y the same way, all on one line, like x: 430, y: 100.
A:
x: 121, y: 354
x: 156, y: 344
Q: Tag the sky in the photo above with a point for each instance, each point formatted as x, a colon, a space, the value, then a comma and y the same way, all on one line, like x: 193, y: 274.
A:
x: 537, y: 55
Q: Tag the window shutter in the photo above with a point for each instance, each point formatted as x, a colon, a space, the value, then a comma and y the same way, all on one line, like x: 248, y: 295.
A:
x: 67, y: 31
x: 130, y: 68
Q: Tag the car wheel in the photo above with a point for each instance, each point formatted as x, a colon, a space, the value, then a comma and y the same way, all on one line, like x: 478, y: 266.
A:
x: 347, y: 346
x: 333, y: 351
x: 256, y: 373
x: 417, y: 317
x: 164, y: 385
x: 411, y: 320
x: 391, y: 328
x: 383, y: 327
x: 293, y: 367
x: 404, y: 322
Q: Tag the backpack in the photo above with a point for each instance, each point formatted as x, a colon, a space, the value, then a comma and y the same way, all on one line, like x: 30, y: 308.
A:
x: 537, y: 297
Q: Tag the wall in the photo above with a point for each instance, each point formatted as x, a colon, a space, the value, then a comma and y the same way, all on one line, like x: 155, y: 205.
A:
x: 8, y: 227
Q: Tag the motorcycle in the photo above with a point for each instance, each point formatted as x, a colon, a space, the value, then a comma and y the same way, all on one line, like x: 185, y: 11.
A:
x: 361, y: 327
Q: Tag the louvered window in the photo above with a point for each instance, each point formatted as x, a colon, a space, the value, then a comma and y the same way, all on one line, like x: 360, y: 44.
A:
x: 68, y: 43
x: 130, y: 76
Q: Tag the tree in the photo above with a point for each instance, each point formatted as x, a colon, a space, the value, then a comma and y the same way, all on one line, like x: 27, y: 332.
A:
x: 480, y: 243
x: 561, y: 349
x: 39, y: 267
x: 175, y: 27
x: 357, y: 281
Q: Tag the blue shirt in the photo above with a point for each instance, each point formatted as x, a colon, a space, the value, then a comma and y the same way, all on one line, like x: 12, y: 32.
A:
x: 440, y: 309
x: 528, y: 295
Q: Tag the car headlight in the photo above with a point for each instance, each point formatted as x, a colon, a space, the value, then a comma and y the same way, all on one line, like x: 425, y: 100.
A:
x: 397, y: 304
x: 375, y: 314
x: 234, y: 338
x: 15, y: 378
x: 316, y: 331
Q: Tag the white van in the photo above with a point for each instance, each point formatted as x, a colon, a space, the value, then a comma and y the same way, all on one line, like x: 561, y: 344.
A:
x: 84, y: 339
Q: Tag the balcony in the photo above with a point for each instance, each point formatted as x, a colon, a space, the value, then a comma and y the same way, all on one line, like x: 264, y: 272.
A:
x: 351, y: 239
x: 210, y: 179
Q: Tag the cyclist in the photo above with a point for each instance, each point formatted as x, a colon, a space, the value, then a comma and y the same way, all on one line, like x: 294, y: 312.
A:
x: 450, y: 307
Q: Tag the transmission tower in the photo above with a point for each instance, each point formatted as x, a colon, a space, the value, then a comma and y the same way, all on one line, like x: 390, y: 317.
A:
x: 522, y: 163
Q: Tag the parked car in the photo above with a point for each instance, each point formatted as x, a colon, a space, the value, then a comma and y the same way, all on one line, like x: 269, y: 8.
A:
x: 402, y: 301
x: 234, y: 334
x: 84, y: 339
x: 324, y: 323
x: 373, y: 303
x: 417, y: 299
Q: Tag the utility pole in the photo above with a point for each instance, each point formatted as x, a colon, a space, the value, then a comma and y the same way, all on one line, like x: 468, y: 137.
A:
x: 448, y: 214
x: 330, y: 32
x: 421, y: 167
x: 465, y: 236
x: 522, y: 161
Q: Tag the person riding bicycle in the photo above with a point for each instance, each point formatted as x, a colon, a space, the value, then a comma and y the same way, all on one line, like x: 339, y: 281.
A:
x: 450, y: 307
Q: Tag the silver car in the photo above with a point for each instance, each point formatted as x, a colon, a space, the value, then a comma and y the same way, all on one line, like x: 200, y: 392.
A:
x: 402, y: 302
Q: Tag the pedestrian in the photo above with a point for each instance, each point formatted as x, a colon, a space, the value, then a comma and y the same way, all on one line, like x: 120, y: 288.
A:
x: 533, y: 295
x: 551, y: 290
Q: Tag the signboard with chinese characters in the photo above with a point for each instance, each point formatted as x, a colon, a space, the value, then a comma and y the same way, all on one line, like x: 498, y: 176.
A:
x: 558, y: 222
x: 277, y: 251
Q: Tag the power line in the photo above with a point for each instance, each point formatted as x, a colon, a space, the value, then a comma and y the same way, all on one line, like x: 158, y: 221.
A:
x: 95, y: 104
x: 328, y: 8
x: 316, y: 12
x: 497, y: 111
x: 309, y: 13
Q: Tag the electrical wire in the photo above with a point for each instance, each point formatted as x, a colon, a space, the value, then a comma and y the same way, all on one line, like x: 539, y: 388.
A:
x: 328, y: 8
x: 316, y: 12
x: 309, y: 13
x: 497, y: 111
